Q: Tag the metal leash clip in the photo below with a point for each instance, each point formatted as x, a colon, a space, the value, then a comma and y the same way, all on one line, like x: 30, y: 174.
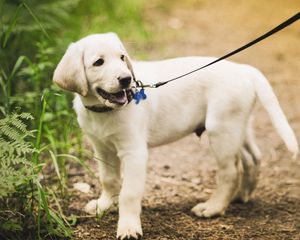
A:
x: 139, y: 95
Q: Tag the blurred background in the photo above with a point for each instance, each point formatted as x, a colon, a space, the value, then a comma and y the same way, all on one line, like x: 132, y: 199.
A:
x: 40, y: 141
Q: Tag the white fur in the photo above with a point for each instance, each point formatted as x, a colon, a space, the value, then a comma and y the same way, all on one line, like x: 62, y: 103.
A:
x: 219, y: 98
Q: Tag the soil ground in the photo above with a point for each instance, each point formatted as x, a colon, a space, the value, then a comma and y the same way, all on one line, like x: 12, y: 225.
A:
x: 182, y: 174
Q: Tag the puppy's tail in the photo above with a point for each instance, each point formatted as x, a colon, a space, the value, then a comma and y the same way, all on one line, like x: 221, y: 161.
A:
x: 270, y: 103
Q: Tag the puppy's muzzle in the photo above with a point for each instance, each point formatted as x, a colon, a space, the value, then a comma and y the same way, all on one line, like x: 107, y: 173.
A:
x: 125, y: 81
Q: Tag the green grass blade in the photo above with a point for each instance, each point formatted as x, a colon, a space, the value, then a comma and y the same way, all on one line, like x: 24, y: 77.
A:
x: 60, y: 211
x: 12, y: 74
x: 36, y: 20
x: 63, y: 230
x: 43, y: 205
x: 13, y: 23
x: 81, y: 162
x: 39, y: 132
x: 54, y: 160
x: 7, y: 87
x: 11, y: 26
x: 17, y: 65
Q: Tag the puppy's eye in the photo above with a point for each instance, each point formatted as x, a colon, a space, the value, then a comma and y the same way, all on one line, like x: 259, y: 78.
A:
x: 122, y: 57
x: 99, y: 62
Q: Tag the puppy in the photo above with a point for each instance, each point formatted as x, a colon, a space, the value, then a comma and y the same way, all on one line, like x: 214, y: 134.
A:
x: 218, y: 99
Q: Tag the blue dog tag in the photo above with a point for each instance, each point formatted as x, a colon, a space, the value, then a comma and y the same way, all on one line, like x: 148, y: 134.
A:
x: 139, y: 95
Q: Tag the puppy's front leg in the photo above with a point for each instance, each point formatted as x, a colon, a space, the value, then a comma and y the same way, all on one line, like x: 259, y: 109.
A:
x: 109, y: 171
x: 134, y: 174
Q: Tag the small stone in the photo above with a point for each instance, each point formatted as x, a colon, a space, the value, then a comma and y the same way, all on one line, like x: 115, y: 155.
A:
x: 167, y: 167
x: 197, y: 181
x: 184, y: 179
x: 208, y: 191
x: 82, y: 187
x: 225, y: 227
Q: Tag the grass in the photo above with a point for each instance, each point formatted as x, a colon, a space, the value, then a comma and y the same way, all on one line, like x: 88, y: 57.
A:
x: 33, y: 36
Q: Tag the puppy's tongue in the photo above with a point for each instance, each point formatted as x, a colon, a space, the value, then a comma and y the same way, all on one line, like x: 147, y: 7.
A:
x: 119, y: 97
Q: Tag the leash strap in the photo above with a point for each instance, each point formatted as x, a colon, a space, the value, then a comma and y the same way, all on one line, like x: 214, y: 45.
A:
x: 266, y: 35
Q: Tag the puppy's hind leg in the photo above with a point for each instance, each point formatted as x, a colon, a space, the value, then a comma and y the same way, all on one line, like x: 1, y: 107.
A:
x: 251, y: 161
x: 226, y: 137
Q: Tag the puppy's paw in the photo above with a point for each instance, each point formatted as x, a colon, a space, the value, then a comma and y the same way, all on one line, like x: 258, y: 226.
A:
x: 129, y: 229
x: 242, y: 196
x: 91, y: 207
x: 209, y: 209
x: 137, y: 237
x: 98, y: 206
x: 247, y: 187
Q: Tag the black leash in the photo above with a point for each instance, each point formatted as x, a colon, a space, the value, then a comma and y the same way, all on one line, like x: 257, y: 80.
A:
x: 139, y: 84
x: 139, y: 95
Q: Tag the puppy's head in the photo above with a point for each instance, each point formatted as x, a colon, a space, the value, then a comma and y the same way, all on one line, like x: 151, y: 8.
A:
x: 97, y: 66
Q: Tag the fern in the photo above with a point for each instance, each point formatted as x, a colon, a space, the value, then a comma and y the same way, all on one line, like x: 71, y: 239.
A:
x: 23, y: 199
x: 26, y: 116
x: 18, y: 124
x: 14, y: 150
x: 10, y: 132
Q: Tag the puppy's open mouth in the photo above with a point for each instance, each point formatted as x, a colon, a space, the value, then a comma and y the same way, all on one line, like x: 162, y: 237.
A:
x: 122, y: 97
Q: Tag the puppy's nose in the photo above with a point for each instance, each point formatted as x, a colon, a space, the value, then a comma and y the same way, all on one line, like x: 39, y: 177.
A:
x: 124, y: 81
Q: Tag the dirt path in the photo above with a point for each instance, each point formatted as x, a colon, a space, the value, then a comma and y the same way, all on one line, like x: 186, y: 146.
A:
x: 182, y: 174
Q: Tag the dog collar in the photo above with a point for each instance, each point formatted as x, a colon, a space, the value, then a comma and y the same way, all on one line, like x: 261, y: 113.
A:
x: 137, y: 96
x: 99, y: 109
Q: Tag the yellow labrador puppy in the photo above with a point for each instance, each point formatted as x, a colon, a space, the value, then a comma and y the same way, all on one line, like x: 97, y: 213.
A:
x: 218, y: 99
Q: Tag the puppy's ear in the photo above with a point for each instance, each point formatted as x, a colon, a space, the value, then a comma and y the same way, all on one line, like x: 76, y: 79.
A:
x: 69, y: 73
x: 127, y: 59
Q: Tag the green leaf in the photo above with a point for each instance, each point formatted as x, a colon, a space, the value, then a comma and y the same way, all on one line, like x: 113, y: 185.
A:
x: 17, y: 66
x: 54, y: 160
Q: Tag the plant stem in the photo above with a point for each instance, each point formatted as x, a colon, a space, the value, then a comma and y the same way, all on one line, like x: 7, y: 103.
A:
x: 39, y: 133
